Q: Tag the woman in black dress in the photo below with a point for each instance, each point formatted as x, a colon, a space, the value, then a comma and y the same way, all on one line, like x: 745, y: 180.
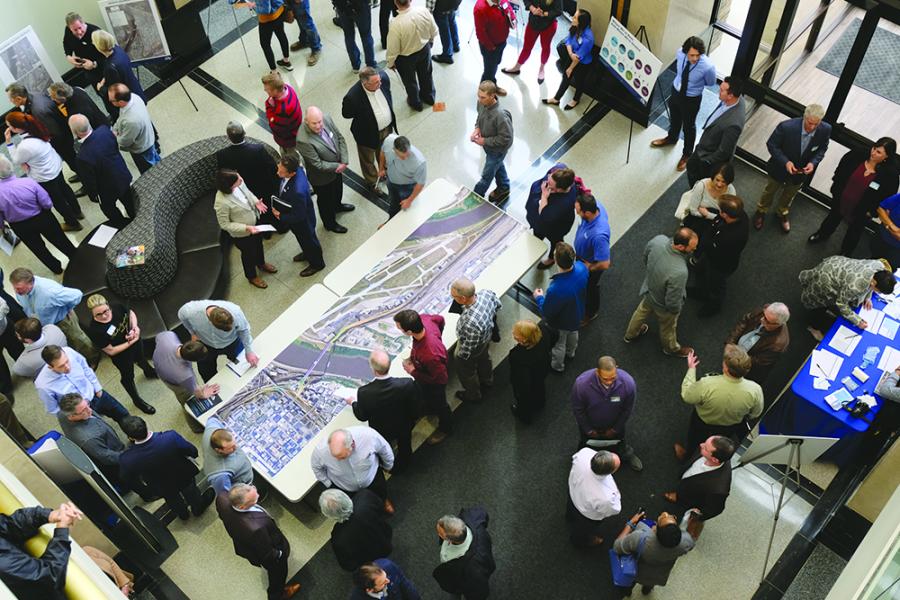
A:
x: 529, y: 362
x: 114, y: 330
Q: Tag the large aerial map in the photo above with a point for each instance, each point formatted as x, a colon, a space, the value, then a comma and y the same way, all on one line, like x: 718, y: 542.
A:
x: 295, y: 396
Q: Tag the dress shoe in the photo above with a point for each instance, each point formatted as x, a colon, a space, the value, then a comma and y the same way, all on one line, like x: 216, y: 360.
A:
x: 150, y: 373
x: 500, y: 91
x: 436, y: 438
x: 463, y: 397
x: 682, y: 164
x: 595, y: 540
x: 680, y: 451
x: 73, y: 179
x: 635, y: 463
x: 429, y: 101
x: 671, y: 497
x: 643, y: 330
x: 389, y: 507
x: 337, y: 228
x: 681, y: 352
x: 661, y: 142
x: 57, y: 271
x: 310, y: 270
x: 205, y: 500
x: 291, y: 588
x: 298, y: 45
x: 646, y: 590
x: 300, y: 258
x: 144, y: 406
x: 80, y: 216
x: 541, y: 75
x: 80, y: 193
x: 440, y: 58
x: 258, y: 282
x: 513, y: 71
x: 268, y: 268
x: 785, y: 224
x: 758, y: 220
x: 813, y: 239
x: 346, y: 208
x: 415, y: 107
x: 499, y: 195
x: 69, y: 227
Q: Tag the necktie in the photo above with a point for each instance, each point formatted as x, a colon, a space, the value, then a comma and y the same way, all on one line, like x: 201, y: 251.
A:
x: 685, y: 73
x: 328, y: 141
x: 712, y: 114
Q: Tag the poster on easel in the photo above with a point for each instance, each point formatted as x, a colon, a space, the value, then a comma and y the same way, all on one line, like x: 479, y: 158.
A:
x: 630, y: 61
x: 137, y: 28
x: 24, y: 60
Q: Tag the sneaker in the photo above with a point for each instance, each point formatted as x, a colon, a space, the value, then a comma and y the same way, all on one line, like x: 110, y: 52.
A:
x: 285, y: 64
x: 313, y: 58
x: 644, y: 329
x: 298, y: 45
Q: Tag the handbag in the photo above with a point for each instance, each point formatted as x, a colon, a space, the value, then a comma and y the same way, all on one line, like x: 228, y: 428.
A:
x: 624, y: 566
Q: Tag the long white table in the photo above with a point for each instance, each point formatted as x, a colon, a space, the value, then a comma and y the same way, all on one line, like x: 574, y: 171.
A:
x: 296, y: 478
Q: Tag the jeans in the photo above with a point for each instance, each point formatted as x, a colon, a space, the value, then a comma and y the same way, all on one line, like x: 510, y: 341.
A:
x: 146, y: 159
x: 446, y: 22
x: 108, y: 406
x: 363, y: 22
x: 308, y: 32
x: 493, y: 169
x: 564, y: 348
x: 396, y: 193
x: 492, y: 60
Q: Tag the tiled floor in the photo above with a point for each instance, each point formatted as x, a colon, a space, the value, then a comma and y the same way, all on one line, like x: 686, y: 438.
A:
x: 627, y: 190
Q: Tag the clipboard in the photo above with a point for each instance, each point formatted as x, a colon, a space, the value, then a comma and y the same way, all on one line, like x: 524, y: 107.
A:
x: 279, y: 204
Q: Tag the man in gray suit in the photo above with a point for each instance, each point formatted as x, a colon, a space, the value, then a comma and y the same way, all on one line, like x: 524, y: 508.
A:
x: 324, y: 153
x: 720, y: 132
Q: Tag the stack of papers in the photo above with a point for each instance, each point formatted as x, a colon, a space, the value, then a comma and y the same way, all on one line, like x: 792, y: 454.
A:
x: 838, y: 398
x: 890, y: 359
x: 845, y: 340
x: 825, y: 364
x: 892, y: 309
x: 241, y: 366
x: 888, y: 328
x: 872, y: 317
x: 102, y: 236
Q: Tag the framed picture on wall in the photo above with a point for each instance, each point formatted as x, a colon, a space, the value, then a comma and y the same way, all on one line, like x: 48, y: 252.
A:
x: 24, y: 60
x: 137, y: 28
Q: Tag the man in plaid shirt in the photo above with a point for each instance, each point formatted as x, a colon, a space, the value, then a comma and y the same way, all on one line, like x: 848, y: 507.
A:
x: 473, y: 333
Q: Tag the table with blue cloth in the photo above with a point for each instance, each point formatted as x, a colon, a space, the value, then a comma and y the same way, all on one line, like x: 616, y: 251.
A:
x: 802, y: 410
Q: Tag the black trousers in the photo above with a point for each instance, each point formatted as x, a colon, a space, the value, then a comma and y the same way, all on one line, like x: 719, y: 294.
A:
x: 179, y: 500
x: 378, y: 486
x: 854, y: 227
x: 309, y: 243
x: 711, y: 284
x: 385, y: 10
x: 579, y: 75
x: 581, y: 529
x: 434, y: 397
x: 63, y: 198
x: 252, y: 253
x: 266, y: 30
x: 698, y: 432
x: 12, y: 345
x: 415, y: 71
x: 277, y: 570
x: 112, y: 212
x: 328, y: 199
x: 683, y: 117
x: 66, y: 150
x: 697, y: 169
x: 403, y: 437
x: 32, y: 232
x: 124, y: 362
x: 207, y: 368
x: 592, y: 294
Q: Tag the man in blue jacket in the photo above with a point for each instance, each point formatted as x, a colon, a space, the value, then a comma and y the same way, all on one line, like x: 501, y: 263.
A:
x: 294, y: 209
x: 562, y: 305
x: 382, y: 578
x: 102, y: 169
x: 797, y: 146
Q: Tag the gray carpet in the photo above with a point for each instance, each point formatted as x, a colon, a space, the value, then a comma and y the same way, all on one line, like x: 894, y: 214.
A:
x: 880, y: 69
x: 519, y: 473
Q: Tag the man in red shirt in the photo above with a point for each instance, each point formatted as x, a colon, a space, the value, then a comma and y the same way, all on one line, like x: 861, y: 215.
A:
x: 427, y: 364
x: 493, y: 20
x: 283, y: 113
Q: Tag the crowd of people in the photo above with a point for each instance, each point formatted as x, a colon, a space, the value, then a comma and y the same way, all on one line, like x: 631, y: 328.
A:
x: 52, y: 349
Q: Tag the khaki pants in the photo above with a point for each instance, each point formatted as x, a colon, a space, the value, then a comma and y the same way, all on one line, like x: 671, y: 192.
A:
x: 78, y: 339
x: 182, y: 395
x: 788, y: 191
x: 668, y: 322
x: 368, y: 158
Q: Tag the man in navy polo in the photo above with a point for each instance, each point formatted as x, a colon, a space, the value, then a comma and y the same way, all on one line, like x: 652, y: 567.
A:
x: 592, y: 249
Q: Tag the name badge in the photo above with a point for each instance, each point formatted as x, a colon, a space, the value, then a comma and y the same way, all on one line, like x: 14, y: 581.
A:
x: 814, y: 148
x: 615, y: 399
x: 578, y: 39
x: 110, y: 330
x: 874, y: 185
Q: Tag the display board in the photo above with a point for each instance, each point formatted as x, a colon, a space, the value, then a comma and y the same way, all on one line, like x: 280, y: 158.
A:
x: 296, y: 395
x: 137, y: 28
x: 24, y: 60
x: 629, y: 60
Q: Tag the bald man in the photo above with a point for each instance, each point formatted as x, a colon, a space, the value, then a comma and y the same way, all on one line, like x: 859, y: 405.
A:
x: 102, y: 169
x: 390, y: 405
x: 325, y: 156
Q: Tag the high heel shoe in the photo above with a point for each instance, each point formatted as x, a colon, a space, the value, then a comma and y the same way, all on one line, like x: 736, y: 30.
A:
x: 541, y: 75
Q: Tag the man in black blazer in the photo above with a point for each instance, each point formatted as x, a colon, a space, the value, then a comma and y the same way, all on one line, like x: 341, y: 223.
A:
x: 721, y: 132
x: 465, y: 573
x: 705, y: 482
x: 102, y: 169
x: 390, y: 405
x: 362, y: 532
x: 252, y: 162
x: 369, y: 104
x: 796, y: 148
x: 75, y: 101
x: 294, y: 209
x: 256, y: 537
x: 157, y: 463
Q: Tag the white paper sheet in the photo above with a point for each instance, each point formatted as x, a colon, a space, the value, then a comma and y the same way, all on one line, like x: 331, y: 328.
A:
x: 242, y: 366
x: 893, y: 309
x: 845, y: 340
x: 888, y: 328
x: 890, y: 359
x: 820, y: 383
x: 825, y: 364
x: 103, y: 236
x: 838, y: 398
x: 872, y: 317
x: 264, y: 228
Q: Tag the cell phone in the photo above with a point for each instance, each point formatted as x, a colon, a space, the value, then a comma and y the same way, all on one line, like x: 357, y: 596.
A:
x: 640, y: 510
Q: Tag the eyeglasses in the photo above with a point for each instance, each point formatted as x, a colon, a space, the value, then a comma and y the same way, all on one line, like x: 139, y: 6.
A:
x: 102, y: 312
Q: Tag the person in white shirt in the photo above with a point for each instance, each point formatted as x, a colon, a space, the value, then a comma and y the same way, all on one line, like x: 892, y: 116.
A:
x: 593, y: 495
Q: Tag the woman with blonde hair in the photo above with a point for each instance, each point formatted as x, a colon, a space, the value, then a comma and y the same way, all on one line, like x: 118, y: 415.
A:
x: 114, y: 330
x: 117, y: 68
x: 529, y: 362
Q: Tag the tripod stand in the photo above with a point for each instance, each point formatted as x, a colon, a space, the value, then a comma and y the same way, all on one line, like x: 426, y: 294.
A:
x: 237, y: 26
